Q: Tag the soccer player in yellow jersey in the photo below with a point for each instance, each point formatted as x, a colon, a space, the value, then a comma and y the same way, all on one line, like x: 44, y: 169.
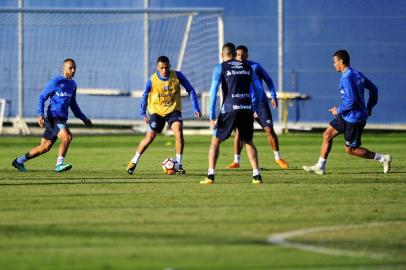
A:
x: 162, y: 100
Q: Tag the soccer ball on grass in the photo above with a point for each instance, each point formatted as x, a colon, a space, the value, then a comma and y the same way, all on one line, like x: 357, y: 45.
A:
x: 170, y: 166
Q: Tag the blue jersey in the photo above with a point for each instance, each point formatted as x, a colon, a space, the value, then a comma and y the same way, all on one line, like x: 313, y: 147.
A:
x: 236, y: 78
x: 263, y: 76
x: 182, y: 80
x: 352, y: 88
x: 62, y: 93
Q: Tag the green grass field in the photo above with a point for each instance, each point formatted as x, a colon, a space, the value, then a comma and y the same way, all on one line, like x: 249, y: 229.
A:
x: 99, y: 217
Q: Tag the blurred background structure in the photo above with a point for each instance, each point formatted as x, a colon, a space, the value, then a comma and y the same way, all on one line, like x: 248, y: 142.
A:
x: 116, y: 43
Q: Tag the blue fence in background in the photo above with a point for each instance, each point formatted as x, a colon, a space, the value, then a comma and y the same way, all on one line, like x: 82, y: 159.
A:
x: 373, y: 31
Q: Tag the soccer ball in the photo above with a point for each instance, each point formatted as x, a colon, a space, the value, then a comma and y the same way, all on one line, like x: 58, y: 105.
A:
x: 170, y: 166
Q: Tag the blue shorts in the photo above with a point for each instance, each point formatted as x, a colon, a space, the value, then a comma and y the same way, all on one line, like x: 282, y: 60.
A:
x: 227, y: 122
x: 352, y: 131
x: 157, y: 122
x: 52, y: 128
x: 264, y: 115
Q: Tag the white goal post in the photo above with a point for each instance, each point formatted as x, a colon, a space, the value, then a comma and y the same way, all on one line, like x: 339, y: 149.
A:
x: 114, y: 49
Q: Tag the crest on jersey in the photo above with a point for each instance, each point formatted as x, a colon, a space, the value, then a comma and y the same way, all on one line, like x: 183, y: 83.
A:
x: 236, y: 64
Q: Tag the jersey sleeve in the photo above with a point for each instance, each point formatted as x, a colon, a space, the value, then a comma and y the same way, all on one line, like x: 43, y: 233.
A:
x: 265, y: 76
x: 191, y: 91
x: 144, y: 100
x: 373, y: 93
x: 48, y: 90
x: 75, y: 107
x: 348, y: 96
x: 215, y: 83
x: 256, y: 91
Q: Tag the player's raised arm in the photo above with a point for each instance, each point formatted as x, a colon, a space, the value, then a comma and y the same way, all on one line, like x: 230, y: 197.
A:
x: 215, y: 83
x: 191, y: 91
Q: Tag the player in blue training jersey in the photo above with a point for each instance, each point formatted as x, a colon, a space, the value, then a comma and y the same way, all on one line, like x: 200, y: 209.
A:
x: 264, y: 113
x: 162, y: 99
x: 61, y: 91
x: 350, y: 116
x: 239, y: 103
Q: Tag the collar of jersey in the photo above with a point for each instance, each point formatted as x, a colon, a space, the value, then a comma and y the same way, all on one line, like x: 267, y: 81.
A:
x: 347, y: 71
x: 162, y: 78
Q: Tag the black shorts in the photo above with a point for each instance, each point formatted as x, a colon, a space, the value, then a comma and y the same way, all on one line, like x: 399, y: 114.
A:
x: 227, y: 122
x: 352, y: 131
x: 52, y: 128
x: 264, y: 115
x: 157, y: 122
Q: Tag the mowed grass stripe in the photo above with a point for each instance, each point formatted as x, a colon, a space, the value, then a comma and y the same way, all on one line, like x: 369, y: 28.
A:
x: 98, y: 217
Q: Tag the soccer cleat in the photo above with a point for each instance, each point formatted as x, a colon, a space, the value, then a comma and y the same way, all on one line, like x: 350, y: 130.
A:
x: 131, y: 167
x: 316, y: 169
x: 63, y: 167
x: 387, y: 159
x: 207, y: 181
x: 233, y: 165
x: 18, y: 166
x: 282, y: 163
x: 257, y: 179
x: 180, y: 170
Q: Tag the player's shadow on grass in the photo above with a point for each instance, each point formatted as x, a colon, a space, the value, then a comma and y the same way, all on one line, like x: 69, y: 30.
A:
x: 113, y: 235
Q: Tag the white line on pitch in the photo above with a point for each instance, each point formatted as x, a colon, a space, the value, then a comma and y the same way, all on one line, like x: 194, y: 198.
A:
x: 280, y: 239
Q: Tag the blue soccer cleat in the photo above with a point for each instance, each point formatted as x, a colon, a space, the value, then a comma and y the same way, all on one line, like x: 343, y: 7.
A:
x: 18, y: 166
x: 63, y: 167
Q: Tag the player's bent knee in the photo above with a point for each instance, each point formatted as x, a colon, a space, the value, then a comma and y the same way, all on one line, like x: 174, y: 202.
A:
x: 45, y: 148
x: 150, y: 136
x: 70, y: 137
x: 327, y: 136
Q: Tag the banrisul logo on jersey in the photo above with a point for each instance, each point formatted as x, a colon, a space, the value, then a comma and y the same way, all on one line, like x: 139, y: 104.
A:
x: 63, y: 94
x: 238, y: 72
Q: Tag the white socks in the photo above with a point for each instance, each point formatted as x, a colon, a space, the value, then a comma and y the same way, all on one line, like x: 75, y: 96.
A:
x: 255, y: 172
x: 179, y: 159
x: 277, y: 155
x: 237, y: 158
x: 321, y: 163
x: 379, y: 157
x: 60, y: 160
x: 210, y: 171
x: 136, y: 158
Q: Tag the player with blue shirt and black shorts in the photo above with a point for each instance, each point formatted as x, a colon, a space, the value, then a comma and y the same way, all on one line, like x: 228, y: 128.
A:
x: 161, y: 103
x: 351, y: 116
x: 61, y: 91
x: 264, y: 113
x: 237, y: 109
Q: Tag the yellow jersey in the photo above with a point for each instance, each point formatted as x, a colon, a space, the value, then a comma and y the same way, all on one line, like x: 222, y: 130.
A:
x: 164, y: 96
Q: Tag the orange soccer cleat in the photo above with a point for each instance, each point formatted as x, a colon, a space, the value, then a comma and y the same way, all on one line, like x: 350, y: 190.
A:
x: 233, y: 165
x: 283, y: 164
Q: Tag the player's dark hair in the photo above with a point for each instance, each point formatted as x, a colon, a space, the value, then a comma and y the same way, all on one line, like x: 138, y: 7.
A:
x: 242, y: 48
x: 229, y: 49
x: 162, y: 59
x: 343, y: 55
x: 69, y: 60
